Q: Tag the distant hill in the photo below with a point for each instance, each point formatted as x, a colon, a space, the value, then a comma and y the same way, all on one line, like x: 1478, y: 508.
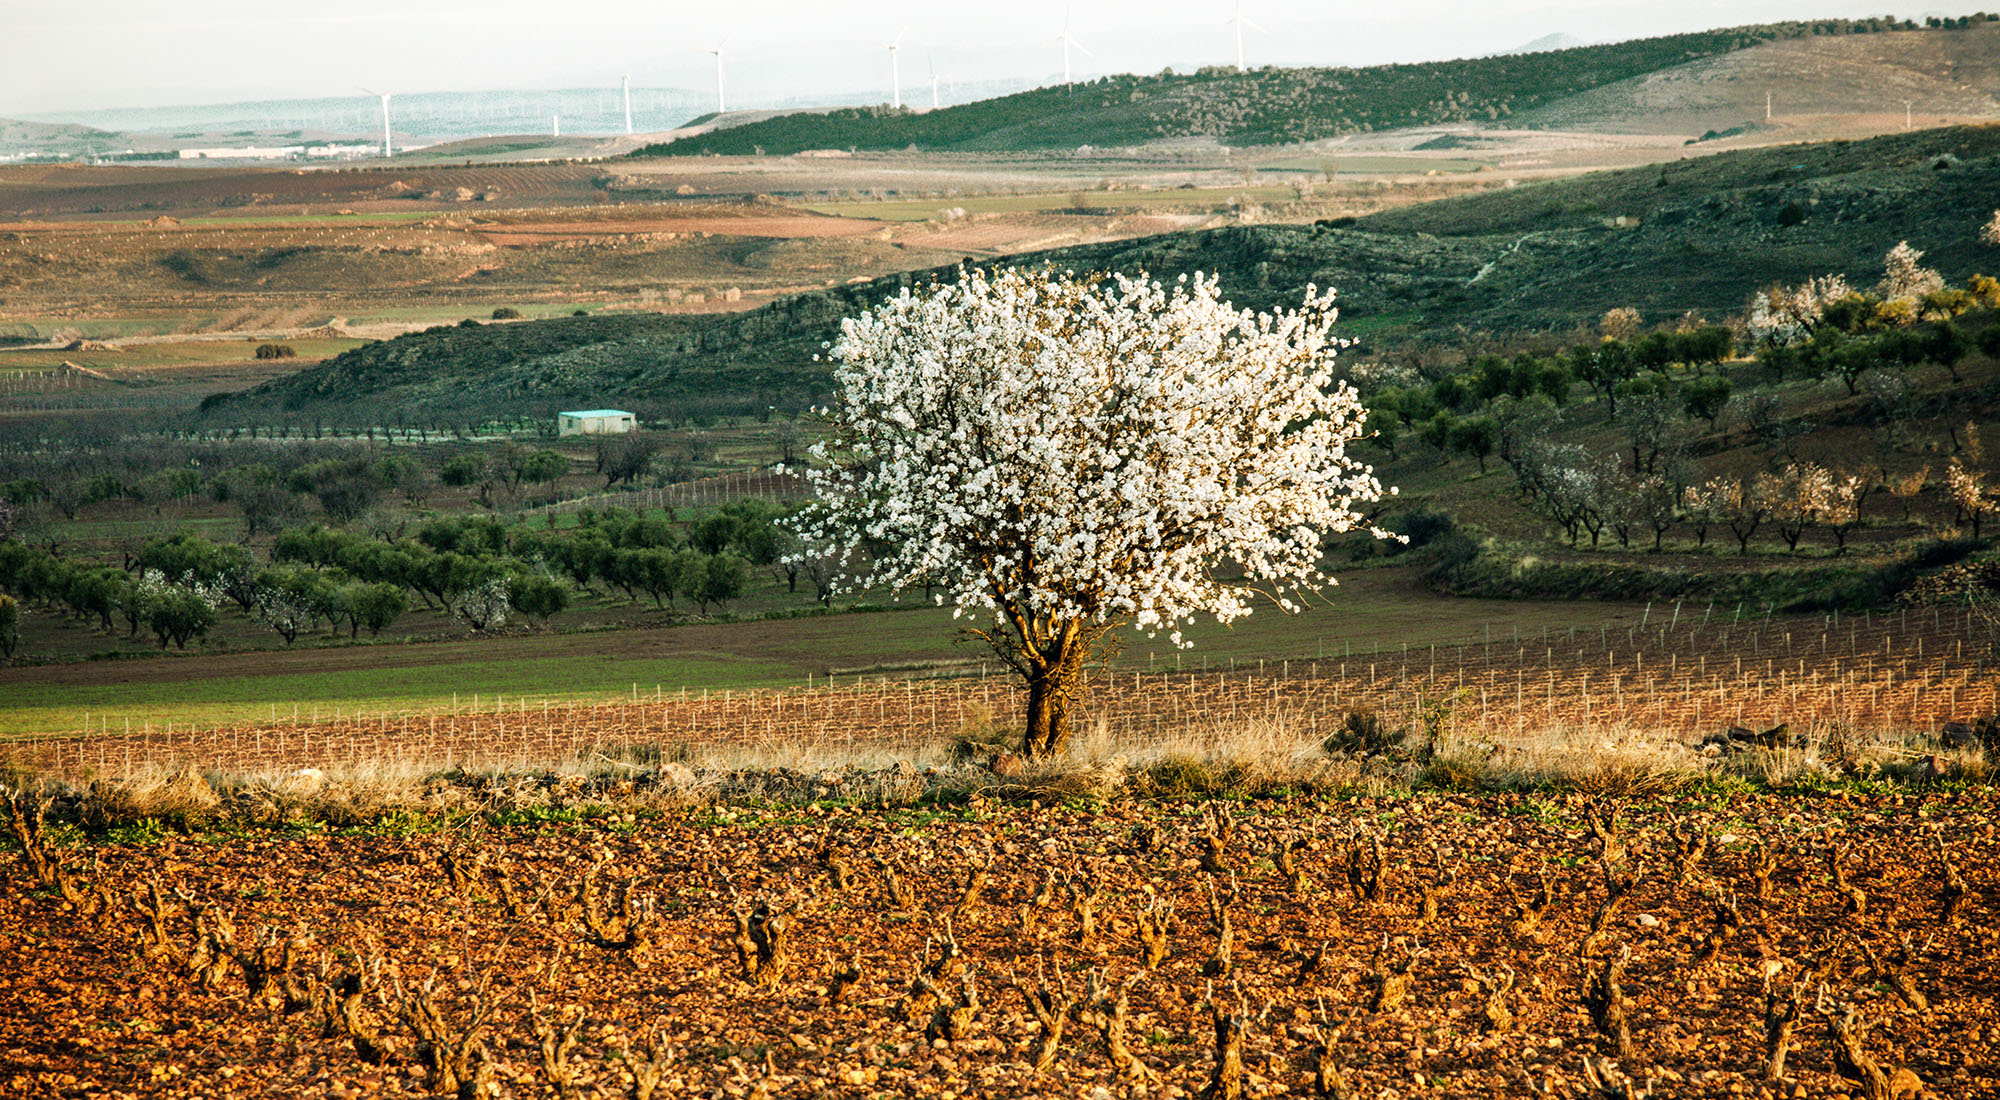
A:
x: 1699, y: 234
x: 68, y: 138
x: 14, y: 129
x: 430, y: 115
x: 1260, y: 107
x: 1950, y: 73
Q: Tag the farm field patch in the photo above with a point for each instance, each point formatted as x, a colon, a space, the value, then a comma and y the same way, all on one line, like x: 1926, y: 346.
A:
x: 1555, y: 702
x: 140, y: 358
x: 1437, y: 945
x: 1386, y: 606
x: 1140, y: 200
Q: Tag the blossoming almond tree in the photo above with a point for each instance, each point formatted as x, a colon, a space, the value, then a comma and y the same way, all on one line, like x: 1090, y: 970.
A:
x: 1061, y: 454
x: 1781, y: 315
x: 1904, y: 277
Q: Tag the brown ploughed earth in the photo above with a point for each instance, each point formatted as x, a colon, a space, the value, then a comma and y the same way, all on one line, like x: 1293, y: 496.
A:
x: 1440, y: 945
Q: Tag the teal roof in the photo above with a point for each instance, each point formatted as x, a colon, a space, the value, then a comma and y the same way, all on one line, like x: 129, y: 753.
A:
x: 595, y: 413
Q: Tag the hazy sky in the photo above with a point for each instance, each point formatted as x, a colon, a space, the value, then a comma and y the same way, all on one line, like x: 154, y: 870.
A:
x: 76, y: 54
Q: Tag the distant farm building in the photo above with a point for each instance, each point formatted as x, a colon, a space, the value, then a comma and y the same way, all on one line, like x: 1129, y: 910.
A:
x: 280, y: 152
x: 595, y: 422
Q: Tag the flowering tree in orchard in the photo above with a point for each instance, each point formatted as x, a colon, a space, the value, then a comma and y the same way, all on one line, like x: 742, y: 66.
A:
x: 1059, y: 454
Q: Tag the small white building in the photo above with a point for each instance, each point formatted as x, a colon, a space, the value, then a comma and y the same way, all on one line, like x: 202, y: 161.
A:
x: 595, y: 422
x: 280, y: 152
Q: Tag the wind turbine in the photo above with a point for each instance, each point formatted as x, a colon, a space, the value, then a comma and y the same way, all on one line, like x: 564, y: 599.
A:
x: 1067, y: 42
x: 625, y: 85
x: 932, y: 62
x: 1240, y: 23
x: 721, y: 100
x: 386, y: 150
x: 895, y: 74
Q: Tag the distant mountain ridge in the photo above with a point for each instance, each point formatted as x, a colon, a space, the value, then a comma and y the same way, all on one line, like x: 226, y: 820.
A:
x: 1546, y: 43
x: 431, y: 115
x: 455, y: 115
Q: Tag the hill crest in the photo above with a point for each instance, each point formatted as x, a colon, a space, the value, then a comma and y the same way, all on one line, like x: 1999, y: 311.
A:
x: 1269, y: 106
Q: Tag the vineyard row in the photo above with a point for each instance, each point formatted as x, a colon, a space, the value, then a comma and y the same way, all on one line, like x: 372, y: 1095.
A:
x: 1895, y: 674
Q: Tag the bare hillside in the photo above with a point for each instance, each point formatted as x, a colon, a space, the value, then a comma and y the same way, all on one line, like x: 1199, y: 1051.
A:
x: 1944, y: 75
x: 17, y: 135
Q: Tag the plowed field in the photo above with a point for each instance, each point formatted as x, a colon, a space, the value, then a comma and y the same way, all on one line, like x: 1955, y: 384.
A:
x: 1444, y: 946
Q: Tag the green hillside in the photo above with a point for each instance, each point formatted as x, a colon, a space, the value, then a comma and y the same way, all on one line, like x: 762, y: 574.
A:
x: 1699, y: 235
x: 1260, y: 107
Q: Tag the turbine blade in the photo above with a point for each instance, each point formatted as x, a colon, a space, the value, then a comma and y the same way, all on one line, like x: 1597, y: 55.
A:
x: 1255, y: 26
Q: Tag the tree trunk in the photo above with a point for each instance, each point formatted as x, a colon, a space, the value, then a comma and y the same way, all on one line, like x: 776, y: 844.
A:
x: 1052, y: 685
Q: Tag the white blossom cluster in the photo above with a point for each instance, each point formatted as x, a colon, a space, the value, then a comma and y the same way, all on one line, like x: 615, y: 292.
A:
x: 287, y: 611
x: 1785, y: 315
x: 1713, y: 500
x: 484, y: 606
x: 1371, y: 377
x: 154, y: 585
x: 1967, y: 488
x: 1904, y: 278
x: 1990, y: 232
x: 1807, y: 492
x: 1057, y: 448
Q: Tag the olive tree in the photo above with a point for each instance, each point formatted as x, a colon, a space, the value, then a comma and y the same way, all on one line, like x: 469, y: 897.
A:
x: 10, y: 625
x: 1058, y: 455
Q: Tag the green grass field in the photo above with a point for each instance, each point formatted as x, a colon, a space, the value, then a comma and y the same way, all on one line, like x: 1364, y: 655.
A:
x: 217, y: 700
x: 1379, y: 609
x: 102, y: 328
x: 179, y: 353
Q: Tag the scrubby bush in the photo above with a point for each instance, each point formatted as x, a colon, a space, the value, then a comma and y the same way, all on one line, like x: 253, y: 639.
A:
x: 463, y: 470
x: 1364, y: 733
